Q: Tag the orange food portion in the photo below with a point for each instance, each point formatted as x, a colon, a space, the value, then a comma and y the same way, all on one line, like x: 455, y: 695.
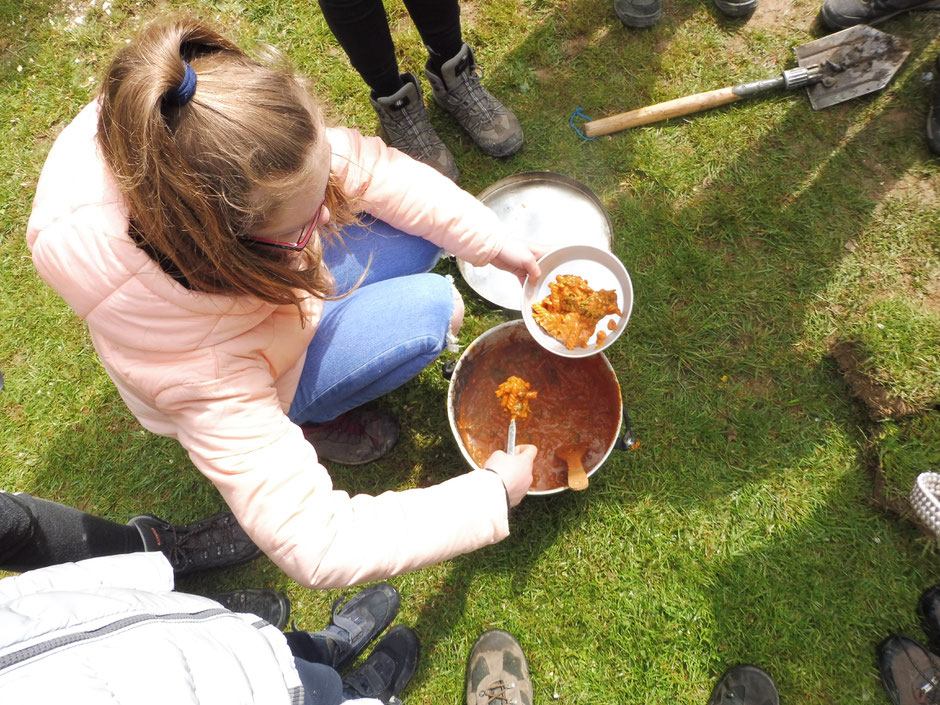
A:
x: 571, y: 311
x: 514, y: 395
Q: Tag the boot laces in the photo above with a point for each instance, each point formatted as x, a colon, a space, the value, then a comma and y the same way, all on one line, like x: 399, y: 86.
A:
x: 498, y: 693
x: 928, y: 691
x: 473, y: 100
x: 409, y: 126
x: 217, y: 537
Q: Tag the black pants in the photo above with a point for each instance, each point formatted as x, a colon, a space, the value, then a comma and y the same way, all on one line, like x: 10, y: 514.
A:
x: 361, y: 27
x: 35, y: 533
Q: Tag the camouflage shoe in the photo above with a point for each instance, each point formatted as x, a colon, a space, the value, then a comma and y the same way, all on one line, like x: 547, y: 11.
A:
x: 458, y: 91
x: 404, y: 120
x: 497, y: 671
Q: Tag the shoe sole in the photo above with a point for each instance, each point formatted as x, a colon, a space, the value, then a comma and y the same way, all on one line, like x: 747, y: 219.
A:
x: 736, y: 10
x: 639, y: 21
x: 838, y: 22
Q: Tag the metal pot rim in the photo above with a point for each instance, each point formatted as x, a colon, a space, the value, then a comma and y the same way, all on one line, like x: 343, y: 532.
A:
x: 496, y: 333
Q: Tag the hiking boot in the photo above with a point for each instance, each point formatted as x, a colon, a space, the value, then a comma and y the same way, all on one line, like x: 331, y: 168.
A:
x: 638, y: 14
x: 458, y: 91
x: 928, y: 608
x: 842, y: 14
x: 404, y: 120
x: 353, y: 626
x: 387, y: 670
x: 909, y: 672
x: 357, y: 437
x: 933, y: 114
x: 216, y: 542
x: 745, y: 685
x: 736, y: 8
x: 271, y: 605
x: 497, y: 671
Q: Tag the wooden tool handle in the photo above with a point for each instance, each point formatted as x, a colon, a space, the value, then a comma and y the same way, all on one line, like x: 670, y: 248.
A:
x: 577, y: 478
x: 661, y: 111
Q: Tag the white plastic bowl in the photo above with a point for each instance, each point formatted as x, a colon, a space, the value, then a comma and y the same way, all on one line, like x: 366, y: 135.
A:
x: 602, y: 270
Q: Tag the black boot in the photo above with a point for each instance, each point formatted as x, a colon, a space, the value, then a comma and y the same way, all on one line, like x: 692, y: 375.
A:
x: 271, y: 605
x: 216, y: 542
x: 387, y: 670
x: 745, y: 685
x: 353, y: 626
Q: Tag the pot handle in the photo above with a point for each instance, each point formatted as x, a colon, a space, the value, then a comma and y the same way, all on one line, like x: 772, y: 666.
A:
x: 447, y: 368
x: 627, y: 441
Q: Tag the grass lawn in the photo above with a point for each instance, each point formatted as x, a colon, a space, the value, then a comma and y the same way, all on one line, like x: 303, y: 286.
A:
x: 757, y: 235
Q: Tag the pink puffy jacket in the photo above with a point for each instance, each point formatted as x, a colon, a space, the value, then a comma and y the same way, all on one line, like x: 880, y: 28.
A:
x: 219, y: 373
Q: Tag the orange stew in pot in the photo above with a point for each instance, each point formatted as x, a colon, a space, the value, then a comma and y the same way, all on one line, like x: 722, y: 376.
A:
x: 578, y: 403
x: 514, y: 395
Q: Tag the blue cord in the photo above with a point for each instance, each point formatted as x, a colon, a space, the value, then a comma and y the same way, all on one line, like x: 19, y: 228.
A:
x: 577, y: 113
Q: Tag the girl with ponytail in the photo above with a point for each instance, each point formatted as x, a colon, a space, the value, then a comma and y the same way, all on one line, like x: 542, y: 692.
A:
x: 251, y: 278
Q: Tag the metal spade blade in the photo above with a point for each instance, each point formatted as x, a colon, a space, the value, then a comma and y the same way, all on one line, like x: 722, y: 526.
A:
x: 853, y: 62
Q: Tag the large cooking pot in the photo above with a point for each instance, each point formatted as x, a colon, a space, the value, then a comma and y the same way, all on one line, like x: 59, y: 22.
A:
x: 578, y: 403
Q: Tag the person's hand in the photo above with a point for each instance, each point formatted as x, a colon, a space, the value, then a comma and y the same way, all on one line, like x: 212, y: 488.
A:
x: 519, y: 257
x: 514, y: 470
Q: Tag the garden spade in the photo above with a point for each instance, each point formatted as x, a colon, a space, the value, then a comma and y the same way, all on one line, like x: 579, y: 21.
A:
x: 833, y: 69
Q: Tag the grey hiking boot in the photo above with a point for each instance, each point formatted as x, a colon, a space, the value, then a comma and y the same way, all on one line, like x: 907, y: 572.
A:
x: 404, y: 120
x: 736, y: 8
x: 842, y: 14
x: 497, y: 671
x: 458, y: 91
x: 638, y: 14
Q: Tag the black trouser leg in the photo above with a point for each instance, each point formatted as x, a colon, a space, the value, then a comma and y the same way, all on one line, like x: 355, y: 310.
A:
x: 361, y: 28
x: 438, y: 23
x: 35, y: 533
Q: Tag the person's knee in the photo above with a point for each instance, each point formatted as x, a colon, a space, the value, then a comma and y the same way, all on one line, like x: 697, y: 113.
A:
x: 456, y: 319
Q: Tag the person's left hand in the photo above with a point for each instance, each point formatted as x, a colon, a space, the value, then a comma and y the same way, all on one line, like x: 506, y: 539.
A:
x: 519, y: 257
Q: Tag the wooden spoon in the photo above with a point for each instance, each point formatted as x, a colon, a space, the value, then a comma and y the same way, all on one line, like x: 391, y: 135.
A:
x: 577, y: 478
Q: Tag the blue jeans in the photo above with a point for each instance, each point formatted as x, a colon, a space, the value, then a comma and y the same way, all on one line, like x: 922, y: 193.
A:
x: 385, y: 332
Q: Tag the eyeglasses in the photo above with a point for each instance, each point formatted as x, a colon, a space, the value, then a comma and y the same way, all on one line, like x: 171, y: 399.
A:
x: 303, y: 236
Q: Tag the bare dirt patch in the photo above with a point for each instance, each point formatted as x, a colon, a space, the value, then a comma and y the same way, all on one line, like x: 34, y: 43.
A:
x: 924, y: 189
x: 543, y: 75
x: 880, y: 403
x: 575, y: 45
x: 782, y: 14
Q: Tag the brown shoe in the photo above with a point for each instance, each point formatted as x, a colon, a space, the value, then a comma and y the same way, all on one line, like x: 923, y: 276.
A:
x: 497, y: 671
x: 357, y: 437
x: 909, y: 672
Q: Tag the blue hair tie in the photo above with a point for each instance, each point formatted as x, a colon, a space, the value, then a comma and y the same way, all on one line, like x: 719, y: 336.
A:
x: 184, y: 93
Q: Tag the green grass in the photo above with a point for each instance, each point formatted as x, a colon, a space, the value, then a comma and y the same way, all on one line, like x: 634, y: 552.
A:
x: 756, y: 235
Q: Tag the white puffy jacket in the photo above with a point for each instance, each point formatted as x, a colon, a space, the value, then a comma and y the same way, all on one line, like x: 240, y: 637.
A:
x: 111, y: 630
